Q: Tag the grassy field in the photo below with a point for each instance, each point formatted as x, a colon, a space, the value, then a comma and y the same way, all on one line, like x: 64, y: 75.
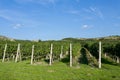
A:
x: 58, y: 71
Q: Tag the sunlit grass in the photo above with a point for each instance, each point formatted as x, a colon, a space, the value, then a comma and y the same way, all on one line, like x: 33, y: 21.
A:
x: 58, y: 71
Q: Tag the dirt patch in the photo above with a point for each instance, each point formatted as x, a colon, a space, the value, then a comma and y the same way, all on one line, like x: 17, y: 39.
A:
x: 40, y: 63
x: 51, y: 71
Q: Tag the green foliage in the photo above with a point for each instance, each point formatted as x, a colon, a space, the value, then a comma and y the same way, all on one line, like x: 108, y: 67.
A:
x: 94, y: 49
x: 87, y: 58
x: 117, y: 49
x: 42, y: 48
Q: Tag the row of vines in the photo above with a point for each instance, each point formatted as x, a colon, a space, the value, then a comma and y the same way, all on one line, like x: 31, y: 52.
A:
x: 110, y: 49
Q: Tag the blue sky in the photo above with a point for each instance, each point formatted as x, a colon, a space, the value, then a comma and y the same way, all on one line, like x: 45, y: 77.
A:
x: 57, y: 19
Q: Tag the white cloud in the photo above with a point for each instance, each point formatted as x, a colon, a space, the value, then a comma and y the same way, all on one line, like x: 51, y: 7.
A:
x: 46, y: 1
x: 43, y: 2
x: 51, y: 1
x: 74, y: 12
x: 17, y: 26
x: 77, y: 0
x: 11, y: 15
x: 4, y: 17
x: 86, y: 26
x: 88, y: 18
x: 3, y: 14
x: 95, y: 11
x: 14, y: 16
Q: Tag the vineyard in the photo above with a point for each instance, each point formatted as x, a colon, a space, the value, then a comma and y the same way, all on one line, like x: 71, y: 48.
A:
x: 82, y: 51
x: 67, y: 59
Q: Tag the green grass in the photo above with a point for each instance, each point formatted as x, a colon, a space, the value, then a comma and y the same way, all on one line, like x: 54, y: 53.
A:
x: 58, y: 71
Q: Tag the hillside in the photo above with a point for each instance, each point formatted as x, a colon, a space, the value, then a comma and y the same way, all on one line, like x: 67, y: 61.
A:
x: 114, y: 37
x: 6, y: 38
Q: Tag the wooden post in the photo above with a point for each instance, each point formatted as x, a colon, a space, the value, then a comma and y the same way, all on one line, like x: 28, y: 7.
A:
x: 20, y: 58
x: 105, y: 55
x: 13, y: 57
x: 32, y: 54
x: 61, y: 54
x: 99, y: 54
x: 50, y: 63
x: 4, y: 53
x: 118, y: 61
x: 70, y: 55
x: 18, y: 51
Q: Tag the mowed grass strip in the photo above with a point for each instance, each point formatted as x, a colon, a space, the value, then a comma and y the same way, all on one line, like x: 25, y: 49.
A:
x: 58, y: 71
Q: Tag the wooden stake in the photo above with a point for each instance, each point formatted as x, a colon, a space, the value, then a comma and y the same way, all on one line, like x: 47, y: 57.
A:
x: 18, y: 52
x: 99, y: 54
x: 4, y: 53
x: 118, y: 61
x: 50, y: 63
x: 20, y: 58
x: 13, y: 57
x: 32, y: 54
x: 70, y: 55
x: 61, y: 54
x: 105, y: 55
